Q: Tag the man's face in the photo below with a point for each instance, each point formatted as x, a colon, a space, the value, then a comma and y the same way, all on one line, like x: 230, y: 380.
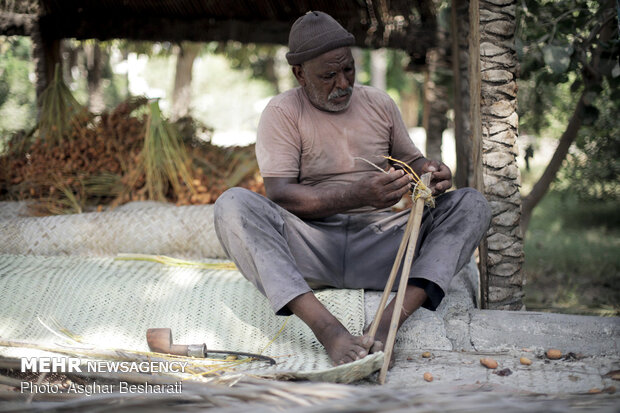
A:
x: 328, y: 79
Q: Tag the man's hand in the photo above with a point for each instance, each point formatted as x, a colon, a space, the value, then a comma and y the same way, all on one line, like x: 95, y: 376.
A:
x: 441, y: 178
x: 382, y: 190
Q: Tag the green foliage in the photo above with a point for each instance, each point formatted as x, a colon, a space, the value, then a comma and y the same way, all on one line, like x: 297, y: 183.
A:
x: 17, y: 92
x: 572, y: 255
x: 76, y: 70
x: 593, y: 169
x: 556, y: 42
x: 260, y: 59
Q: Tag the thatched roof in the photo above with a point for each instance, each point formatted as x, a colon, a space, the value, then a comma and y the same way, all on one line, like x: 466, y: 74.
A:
x: 402, y: 24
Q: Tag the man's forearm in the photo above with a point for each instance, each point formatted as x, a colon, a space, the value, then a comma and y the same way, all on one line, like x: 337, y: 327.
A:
x: 377, y: 190
x: 308, y: 202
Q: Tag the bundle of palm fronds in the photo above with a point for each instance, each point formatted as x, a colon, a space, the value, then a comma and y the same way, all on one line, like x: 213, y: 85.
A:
x: 163, y: 160
x: 60, y: 111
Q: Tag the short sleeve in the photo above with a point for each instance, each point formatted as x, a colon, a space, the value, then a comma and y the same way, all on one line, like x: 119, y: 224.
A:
x: 278, y: 144
x: 402, y: 147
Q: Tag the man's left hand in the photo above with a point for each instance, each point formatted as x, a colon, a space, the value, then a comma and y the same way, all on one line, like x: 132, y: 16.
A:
x: 441, y: 178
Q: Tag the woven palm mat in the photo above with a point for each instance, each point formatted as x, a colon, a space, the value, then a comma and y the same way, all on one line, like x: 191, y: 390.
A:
x: 111, y: 304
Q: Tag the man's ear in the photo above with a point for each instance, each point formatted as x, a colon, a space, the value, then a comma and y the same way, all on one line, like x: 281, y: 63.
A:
x: 298, y: 71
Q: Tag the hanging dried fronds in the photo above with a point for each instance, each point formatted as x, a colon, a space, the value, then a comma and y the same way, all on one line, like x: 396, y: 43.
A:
x: 163, y: 158
x: 60, y: 112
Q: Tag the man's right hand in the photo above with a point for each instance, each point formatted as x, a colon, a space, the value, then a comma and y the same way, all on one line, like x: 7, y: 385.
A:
x: 382, y: 190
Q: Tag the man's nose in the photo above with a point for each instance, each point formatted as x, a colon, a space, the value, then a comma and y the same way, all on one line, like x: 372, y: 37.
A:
x: 341, y: 81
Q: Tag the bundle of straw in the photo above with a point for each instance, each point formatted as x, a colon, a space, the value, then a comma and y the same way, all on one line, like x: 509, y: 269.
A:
x: 163, y: 158
x: 59, y: 109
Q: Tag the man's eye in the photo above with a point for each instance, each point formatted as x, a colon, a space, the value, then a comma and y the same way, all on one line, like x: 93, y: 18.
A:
x: 329, y: 76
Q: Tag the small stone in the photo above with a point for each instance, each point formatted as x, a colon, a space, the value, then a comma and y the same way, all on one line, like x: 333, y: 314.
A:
x: 525, y: 361
x: 503, y: 372
x: 427, y: 354
x: 595, y: 391
x: 554, y: 354
x: 428, y: 377
x: 409, y: 358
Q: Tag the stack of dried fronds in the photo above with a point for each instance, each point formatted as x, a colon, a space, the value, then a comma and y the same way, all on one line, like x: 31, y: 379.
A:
x: 77, y: 161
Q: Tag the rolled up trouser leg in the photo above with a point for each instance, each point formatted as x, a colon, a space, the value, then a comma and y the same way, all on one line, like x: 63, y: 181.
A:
x: 282, y: 255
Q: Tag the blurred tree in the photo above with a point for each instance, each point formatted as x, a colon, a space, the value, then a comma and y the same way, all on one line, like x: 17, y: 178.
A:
x: 593, y: 169
x: 572, y: 42
x: 186, y: 53
x: 261, y: 59
x: 88, y: 70
x: 17, y: 94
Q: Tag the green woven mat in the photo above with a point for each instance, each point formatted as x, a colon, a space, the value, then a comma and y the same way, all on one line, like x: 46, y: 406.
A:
x: 110, y: 304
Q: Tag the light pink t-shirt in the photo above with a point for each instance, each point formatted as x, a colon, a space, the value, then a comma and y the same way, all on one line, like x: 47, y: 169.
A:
x: 297, y: 140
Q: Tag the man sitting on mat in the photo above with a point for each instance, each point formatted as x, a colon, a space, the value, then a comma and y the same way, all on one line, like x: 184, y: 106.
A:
x: 326, y: 221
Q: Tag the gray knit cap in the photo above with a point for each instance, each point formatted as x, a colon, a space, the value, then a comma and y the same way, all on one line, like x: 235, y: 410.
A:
x: 314, y: 34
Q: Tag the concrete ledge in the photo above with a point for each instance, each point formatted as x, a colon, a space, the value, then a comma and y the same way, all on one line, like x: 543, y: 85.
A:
x: 458, y: 325
x: 499, y: 330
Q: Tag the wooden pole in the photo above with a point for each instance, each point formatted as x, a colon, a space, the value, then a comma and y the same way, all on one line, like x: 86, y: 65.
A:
x: 390, y: 283
x: 416, y: 217
x: 462, y: 169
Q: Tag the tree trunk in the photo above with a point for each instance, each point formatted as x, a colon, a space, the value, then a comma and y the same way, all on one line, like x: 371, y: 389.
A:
x: 46, y: 55
x: 410, y: 104
x: 378, y: 68
x: 500, y: 173
x: 271, y: 73
x: 542, y: 185
x: 182, y: 92
x: 94, y: 65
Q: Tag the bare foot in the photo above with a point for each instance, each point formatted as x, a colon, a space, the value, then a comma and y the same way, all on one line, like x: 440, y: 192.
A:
x: 343, y: 347
x: 379, y: 343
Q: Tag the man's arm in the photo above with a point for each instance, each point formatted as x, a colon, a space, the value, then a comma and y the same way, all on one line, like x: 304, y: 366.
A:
x: 379, y: 190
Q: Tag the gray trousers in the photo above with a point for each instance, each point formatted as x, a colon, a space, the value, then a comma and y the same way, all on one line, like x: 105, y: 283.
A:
x: 285, y: 256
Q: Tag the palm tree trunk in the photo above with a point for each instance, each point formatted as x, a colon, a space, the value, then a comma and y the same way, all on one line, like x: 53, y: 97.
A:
x: 500, y: 173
